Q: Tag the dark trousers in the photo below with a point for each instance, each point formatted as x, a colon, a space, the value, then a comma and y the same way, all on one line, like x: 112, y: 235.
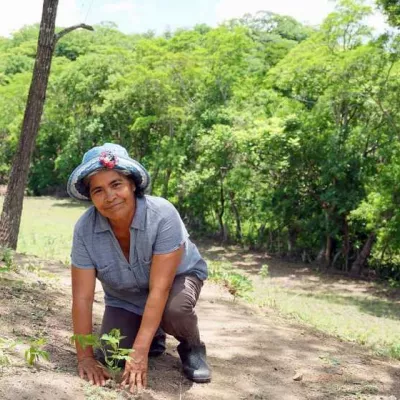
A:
x: 179, y: 318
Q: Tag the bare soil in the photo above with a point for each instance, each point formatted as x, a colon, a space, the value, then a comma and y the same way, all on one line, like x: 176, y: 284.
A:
x: 254, y: 353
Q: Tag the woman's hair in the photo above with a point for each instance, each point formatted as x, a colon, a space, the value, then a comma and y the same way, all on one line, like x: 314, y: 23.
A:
x: 138, y: 192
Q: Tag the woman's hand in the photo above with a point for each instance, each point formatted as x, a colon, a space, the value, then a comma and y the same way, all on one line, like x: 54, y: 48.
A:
x: 94, y: 370
x: 135, y: 374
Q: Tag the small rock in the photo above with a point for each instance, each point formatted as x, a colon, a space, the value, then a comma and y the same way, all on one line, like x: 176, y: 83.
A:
x: 298, y: 377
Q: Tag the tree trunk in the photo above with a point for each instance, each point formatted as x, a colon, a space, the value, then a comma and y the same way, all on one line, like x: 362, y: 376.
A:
x: 12, y: 208
x: 13, y: 202
x: 237, y: 216
x: 153, y: 180
x: 328, y: 250
x: 321, y: 255
x: 346, y: 243
x: 166, y: 183
x: 221, y: 211
x: 292, y: 239
x: 260, y: 235
x: 358, y: 265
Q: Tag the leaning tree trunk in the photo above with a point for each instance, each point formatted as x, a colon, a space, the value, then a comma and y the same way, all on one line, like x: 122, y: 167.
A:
x: 12, y: 207
x: 358, y: 266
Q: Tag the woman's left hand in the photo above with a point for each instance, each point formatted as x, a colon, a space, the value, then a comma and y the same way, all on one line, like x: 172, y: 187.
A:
x: 135, y: 373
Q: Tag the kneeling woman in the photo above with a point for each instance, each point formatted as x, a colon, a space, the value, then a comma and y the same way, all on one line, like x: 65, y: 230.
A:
x: 152, y: 274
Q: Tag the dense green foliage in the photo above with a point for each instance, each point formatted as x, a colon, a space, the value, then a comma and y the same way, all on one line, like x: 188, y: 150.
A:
x: 261, y: 131
x: 392, y: 10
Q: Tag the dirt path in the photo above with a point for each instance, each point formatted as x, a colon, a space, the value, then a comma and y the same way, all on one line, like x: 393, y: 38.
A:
x: 254, y: 355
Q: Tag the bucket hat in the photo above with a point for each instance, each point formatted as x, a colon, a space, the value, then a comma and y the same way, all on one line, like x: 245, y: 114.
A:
x: 107, y: 156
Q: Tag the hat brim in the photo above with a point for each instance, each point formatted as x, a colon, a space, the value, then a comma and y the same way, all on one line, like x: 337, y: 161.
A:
x: 75, y: 186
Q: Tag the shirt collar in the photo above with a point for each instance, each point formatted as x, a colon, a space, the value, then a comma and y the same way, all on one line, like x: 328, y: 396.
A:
x: 139, y: 219
x: 138, y: 222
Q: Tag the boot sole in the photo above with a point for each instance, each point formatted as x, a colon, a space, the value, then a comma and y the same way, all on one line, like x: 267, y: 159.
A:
x: 206, y: 380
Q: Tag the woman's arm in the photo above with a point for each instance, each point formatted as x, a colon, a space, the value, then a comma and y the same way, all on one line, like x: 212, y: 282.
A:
x: 162, y: 274
x: 83, y: 285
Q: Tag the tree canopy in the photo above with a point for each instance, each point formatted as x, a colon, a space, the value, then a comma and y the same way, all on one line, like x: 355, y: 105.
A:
x: 392, y: 9
x: 262, y: 131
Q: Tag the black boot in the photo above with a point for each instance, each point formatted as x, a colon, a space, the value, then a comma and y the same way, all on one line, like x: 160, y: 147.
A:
x: 157, y: 347
x: 194, y: 362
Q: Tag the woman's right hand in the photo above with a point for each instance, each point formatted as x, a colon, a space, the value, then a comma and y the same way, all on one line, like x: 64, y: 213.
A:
x: 93, y: 370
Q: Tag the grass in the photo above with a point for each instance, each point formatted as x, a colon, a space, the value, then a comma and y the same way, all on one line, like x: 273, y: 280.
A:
x: 47, y: 226
x: 237, y: 284
x: 366, y: 321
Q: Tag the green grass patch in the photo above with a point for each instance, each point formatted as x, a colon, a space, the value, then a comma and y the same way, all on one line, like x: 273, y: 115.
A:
x: 363, y: 319
x: 47, y: 227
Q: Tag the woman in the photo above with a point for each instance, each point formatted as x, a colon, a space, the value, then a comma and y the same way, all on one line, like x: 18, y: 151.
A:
x: 139, y: 249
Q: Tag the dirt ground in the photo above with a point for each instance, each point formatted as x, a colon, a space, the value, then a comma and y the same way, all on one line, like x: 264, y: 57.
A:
x: 254, y: 354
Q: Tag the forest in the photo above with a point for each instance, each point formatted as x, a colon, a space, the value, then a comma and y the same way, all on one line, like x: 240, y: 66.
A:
x: 262, y: 131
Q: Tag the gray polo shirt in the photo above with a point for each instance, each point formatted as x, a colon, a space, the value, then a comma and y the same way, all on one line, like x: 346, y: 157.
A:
x: 156, y: 228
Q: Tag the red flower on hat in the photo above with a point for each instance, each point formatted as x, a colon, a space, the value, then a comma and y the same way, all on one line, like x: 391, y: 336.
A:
x: 108, y: 159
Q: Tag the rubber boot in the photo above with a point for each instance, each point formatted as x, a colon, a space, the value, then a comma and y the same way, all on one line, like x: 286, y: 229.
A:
x: 194, y: 362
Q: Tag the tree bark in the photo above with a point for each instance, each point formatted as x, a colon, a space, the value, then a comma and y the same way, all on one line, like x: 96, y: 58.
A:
x: 13, y: 202
x: 221, y: 211
x: 166, y: 183
x: 237, y: 216
x: 361, y: 261
x: 346, y: 243
x: 292, y: 239
x: 328, y: 250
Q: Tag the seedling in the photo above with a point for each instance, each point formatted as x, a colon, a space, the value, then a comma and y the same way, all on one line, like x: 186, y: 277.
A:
x: 7, y: 258
x: 36, y: 352
x: 108, y: 344
x: 264, y: 271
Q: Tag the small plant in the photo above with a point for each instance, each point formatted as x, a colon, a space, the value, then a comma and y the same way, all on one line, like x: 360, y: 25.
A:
x: 7, y: 257
x: 5, y: 346
x: 237, y: 284
x: 35, y: 268
x: 108, y: 344
x: 36, y: 352
x: 264, y: 271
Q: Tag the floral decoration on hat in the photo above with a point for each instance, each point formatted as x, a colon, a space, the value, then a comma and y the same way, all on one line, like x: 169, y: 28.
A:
x: 110, y: 156
x: 108, y: 159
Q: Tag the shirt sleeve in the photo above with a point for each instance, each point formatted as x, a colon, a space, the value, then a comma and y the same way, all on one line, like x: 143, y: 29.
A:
x: 80, y: 257
x: 171, y: 232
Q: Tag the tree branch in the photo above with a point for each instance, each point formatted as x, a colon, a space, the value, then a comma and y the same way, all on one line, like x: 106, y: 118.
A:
x: 62, y: 33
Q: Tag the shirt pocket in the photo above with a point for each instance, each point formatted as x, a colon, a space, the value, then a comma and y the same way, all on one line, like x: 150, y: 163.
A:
x: 118, y: 277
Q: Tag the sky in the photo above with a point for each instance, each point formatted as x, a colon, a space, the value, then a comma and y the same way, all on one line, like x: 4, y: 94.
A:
x: 138, y: 16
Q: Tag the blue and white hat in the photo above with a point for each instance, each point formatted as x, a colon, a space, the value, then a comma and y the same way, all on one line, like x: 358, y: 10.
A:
x: 111, y: 156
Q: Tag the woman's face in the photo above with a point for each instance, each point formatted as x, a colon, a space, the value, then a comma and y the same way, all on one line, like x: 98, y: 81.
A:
x: 112, y: 194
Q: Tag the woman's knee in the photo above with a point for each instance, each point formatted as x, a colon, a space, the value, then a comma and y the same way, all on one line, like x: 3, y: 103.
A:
x: 177, y: 308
